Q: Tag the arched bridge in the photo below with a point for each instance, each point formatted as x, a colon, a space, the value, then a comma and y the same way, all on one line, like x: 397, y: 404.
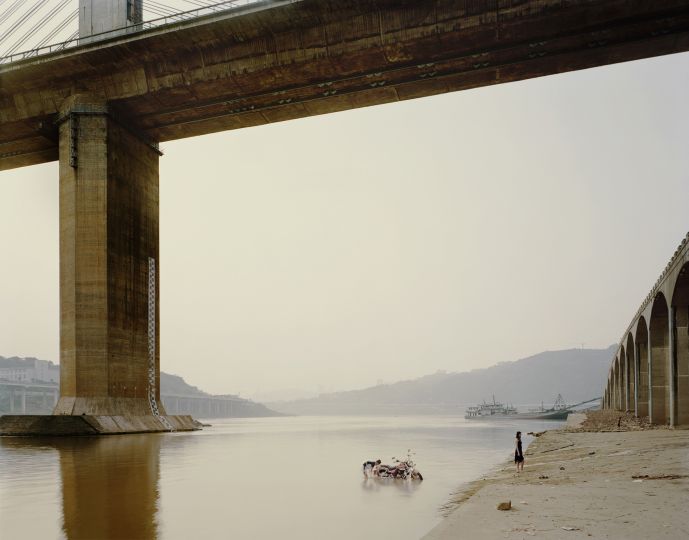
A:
x: 650, y: 372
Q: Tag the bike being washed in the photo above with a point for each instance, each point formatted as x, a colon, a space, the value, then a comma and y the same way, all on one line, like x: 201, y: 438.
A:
x: 403, y: 469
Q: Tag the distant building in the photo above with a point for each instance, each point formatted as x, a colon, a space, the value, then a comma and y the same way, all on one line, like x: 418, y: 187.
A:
x: 29, y: 370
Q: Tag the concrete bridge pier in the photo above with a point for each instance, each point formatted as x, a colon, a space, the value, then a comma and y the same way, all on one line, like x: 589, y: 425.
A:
x: 672, y: 367
x: 109, y: 274
x: 108, y: 247
x: 680, y: 358
x: 637, y: 376
x: 660, y: 411
x: 644, y: 369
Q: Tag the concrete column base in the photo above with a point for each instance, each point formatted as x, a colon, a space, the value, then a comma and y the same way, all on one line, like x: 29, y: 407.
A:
x: 105, y: 406
x: 64, y: 425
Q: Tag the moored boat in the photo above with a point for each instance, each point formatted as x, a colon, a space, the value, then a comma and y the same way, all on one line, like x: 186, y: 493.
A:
x: 490, y: 410
x: 497, y: 411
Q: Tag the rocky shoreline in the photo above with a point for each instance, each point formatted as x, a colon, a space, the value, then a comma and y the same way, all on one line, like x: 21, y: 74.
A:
x: 607, y: 476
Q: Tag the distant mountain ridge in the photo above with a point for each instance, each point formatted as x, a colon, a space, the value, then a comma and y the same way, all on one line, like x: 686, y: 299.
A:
x: 578, y: 374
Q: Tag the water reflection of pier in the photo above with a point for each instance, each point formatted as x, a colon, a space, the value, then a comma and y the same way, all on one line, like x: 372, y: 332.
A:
x: 114, y: 492
x: 109, y: 485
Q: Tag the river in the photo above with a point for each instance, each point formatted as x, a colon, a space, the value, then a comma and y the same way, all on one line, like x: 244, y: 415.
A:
x: 255, y: 478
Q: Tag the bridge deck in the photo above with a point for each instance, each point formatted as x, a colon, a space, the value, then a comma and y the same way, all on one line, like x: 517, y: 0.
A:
x: 280, y: 60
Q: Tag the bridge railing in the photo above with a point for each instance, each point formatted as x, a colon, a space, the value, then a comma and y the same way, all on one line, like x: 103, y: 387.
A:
x: 656, y: 286
x: 220, y: 7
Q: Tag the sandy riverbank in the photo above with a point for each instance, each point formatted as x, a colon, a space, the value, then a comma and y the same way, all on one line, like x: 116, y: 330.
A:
x: 595, y: 481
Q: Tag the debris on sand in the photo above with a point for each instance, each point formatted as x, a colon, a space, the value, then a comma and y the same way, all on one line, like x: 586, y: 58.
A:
x: 660, y: 476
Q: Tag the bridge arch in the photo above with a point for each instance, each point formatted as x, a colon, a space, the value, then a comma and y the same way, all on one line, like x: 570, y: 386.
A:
x: 641, y: 350
x: 660, y: 361
x: 632, y: 373
x: 680, y: 336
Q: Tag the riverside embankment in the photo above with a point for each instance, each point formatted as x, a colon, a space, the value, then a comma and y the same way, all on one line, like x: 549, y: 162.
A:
x: 596, y: 480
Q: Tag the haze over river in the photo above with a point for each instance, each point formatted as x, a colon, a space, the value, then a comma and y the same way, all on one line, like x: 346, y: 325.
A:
x: 251, y: 478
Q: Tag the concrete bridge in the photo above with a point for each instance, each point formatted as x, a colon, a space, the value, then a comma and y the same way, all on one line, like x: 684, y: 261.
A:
x: 214, y: 406
x: 44, y: 397
x: 48, y: 394
x: 649, y: 375
x: 102, y: 107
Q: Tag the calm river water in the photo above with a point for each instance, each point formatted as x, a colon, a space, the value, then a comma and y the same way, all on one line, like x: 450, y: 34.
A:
x: 290, y: 478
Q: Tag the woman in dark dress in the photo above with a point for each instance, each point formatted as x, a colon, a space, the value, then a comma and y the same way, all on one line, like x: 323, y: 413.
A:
x: 518, y: 454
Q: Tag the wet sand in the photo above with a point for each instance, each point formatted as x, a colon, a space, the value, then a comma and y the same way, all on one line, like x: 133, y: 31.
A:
x: 627, y: 483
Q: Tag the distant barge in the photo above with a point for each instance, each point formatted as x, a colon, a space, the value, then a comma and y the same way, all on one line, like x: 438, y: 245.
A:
x: 499, y: 411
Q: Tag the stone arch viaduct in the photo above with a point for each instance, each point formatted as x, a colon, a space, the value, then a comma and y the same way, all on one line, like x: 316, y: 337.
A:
x: 649, y: 374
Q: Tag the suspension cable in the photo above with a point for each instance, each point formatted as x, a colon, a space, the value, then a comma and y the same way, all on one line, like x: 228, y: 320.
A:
x: 22, y: 19
x: 30, y: 32
x: 35, y: 23
x: 10, y: 11
x: 61, y: 26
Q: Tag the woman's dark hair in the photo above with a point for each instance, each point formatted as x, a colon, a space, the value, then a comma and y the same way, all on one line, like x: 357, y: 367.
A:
x: 519, y: 434
x: 378, y: 461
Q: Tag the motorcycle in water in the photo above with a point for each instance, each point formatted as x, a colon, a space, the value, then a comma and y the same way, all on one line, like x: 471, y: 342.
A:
x: 402, y: 469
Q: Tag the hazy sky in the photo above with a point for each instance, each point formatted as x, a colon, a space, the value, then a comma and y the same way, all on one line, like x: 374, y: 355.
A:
x: 450, y: 232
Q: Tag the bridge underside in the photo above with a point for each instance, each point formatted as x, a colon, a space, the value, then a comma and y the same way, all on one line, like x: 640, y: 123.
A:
x: 282, y: 60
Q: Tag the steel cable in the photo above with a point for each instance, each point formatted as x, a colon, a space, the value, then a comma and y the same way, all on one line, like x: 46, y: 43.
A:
x: 31, y: 31
x: 22, y: 19
x: 35, y: 23
x: 10, y: 11
x: 199, y: 3
x: 65, y: 22
x: 160, y: 6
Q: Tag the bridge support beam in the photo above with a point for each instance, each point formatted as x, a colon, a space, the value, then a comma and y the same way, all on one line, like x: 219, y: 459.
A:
x: 644, y: 358
x: 627, y: 381
x: 682, y: 364
x: 108, y: 235
x: 672, y: 365
x: 109, y: 293
x: 660, y: 362
x: 636, y: 379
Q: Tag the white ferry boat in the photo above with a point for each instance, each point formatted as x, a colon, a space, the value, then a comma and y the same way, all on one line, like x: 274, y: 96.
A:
x: 490, y: 410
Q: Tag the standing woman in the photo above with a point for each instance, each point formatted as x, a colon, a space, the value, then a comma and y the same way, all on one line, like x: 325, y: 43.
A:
x: 518, y: 454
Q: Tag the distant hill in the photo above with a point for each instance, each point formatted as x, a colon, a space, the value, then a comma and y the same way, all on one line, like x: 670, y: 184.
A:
x: 176, y: 385
x: 578, y: 374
